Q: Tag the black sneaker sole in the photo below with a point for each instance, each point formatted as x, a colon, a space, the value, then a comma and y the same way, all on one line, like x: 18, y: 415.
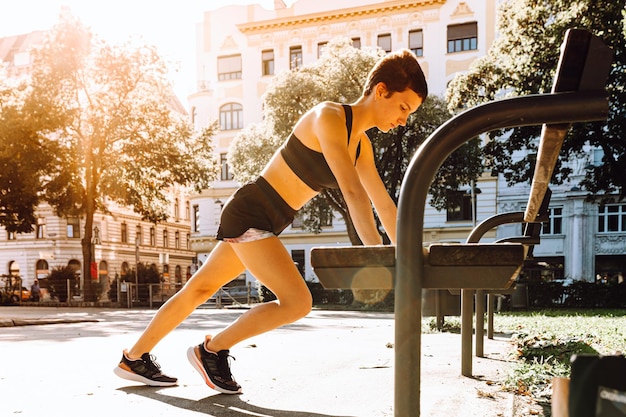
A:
x: 197, y: 365
x: 131, y: 376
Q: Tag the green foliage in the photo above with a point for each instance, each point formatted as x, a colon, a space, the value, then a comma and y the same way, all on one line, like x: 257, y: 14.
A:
x: 23, y: 159
x: 522, y: 61
x: 579, y: 294
x: 251, y: 151
x: 58, y: 279
x: 545, y: 340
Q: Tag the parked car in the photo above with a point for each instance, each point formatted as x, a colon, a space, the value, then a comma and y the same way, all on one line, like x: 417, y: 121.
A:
x: 236, y: 294
x: 15, y: 296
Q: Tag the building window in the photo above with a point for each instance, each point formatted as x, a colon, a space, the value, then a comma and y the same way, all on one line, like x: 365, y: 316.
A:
x: 176, y: 209
x: 267, y: 62
x: 463, y: 37
x: 416, y: 42
x: 186, y: 210
x: 178, y: 274
x: 384, y: 42
x: 299, y: 258
x: 41, y: 228
x: 165, y: 239
x: 42, y: 269
x: 295, y: 57
x: 459, y: 206
x: 152, y: 236
x: 554, y: 225
x: 229, y: 67
x: 231, y: 116
x: 177, y: 240
x: 124, y: 233
x: 138, y: 234
x: 612, y: 218
x: 73, y: 227
x: 196, y: 218
x: 188, y: 241
x: 597, y: 157
x: 11, y: 235
x: 225, y: 174
x: 356, y: 43
x: 321, y: 47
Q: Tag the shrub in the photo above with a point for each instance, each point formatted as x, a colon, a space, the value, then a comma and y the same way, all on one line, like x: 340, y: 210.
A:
x: 57, y: 281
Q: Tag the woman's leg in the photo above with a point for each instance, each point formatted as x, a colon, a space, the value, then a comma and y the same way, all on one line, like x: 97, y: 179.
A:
x: 270, y: 262
x: 220, y: 268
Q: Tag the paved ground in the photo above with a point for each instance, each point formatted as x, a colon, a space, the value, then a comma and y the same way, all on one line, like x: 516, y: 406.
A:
x: 330, y: 364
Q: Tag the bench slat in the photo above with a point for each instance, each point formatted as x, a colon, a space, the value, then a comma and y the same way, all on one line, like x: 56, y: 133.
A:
x: 468, y: 266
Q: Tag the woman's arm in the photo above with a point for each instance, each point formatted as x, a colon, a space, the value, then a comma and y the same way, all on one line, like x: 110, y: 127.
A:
x: 330, y: 130
x: 376, y: 190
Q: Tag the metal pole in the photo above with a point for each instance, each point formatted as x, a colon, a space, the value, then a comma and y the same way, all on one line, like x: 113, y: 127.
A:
x: 467, y: 317
x: 480, y: 323
x: 490, y: 312
x: 137, y: 264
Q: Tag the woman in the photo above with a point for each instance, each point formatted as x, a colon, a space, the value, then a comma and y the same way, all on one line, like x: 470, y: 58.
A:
x: 328, y: 148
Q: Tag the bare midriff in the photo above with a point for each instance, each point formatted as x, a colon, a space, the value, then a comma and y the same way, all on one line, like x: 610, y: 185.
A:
x: 291, y: 188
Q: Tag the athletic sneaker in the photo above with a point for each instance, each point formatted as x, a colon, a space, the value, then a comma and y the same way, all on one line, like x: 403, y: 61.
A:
x: 214, y: 368
x: 144, y: 370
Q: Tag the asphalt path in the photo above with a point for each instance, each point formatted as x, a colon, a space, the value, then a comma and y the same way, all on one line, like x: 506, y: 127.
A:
x: 59, y: 362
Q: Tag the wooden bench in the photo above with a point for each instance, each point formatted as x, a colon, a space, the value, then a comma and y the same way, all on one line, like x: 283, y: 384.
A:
x: 578, y: 95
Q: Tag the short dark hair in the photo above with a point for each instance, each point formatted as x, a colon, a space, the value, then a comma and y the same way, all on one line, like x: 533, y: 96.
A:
x: 398, y: 70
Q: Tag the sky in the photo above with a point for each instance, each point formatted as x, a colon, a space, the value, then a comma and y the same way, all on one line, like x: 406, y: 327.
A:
x: 170, y: 25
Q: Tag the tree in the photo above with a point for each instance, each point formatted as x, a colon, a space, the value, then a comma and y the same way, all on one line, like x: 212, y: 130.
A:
x: 109, y: 109
x: 339, y: 75
x: 251, y: 151
x: 23, y: 159
x: 523, y: 60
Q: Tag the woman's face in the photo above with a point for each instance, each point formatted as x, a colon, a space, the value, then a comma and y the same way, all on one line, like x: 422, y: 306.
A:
x: 394, y: 110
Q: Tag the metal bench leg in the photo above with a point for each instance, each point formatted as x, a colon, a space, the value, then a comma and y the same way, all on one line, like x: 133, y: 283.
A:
x: 480, y: 323
x: 467, y: 316
x: 439, y: 309
x: 491, y: 302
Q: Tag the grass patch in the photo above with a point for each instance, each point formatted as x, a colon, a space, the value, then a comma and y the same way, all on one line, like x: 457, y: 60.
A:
x: 545, y: 340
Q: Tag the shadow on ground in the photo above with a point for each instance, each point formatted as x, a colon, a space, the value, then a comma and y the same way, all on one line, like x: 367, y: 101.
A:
x: 218, y: 405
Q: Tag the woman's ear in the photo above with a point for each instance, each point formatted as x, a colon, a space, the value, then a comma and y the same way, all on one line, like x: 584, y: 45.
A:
x: 381, y: 90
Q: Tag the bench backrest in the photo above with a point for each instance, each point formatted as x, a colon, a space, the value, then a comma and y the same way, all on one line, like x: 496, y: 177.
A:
x: 584, y: 65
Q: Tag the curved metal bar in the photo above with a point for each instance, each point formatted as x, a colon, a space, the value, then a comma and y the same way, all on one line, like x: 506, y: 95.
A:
x: 551, y: 108
x: 493, y: 221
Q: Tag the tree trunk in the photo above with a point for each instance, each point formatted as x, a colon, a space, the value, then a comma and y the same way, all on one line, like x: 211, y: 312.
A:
x: 89, y: 290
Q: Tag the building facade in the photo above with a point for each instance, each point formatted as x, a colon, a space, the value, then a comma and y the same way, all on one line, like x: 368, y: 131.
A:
x: 241, y: 48
x: 121, y: 239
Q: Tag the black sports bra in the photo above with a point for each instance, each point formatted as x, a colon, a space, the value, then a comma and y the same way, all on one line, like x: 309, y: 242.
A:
x: 311, y: 166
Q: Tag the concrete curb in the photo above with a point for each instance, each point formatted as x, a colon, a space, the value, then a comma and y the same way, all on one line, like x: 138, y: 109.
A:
x: 37, y: 322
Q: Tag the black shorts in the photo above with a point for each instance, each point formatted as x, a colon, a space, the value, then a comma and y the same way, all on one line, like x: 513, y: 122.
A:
x: 256, y: 205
